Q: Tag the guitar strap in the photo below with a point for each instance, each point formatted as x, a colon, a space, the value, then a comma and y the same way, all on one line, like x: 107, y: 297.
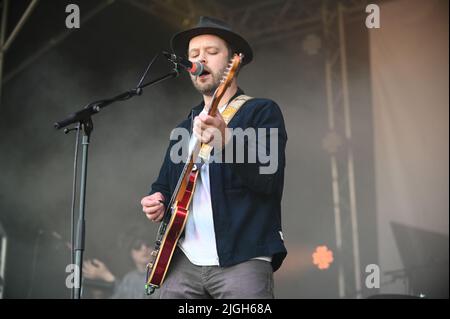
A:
x: 227, y: 115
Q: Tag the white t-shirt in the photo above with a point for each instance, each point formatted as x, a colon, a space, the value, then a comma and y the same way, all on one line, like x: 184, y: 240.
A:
x: 199, y: 241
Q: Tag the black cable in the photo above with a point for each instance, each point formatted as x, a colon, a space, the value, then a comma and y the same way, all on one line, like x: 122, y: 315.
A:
x: 146, y: 71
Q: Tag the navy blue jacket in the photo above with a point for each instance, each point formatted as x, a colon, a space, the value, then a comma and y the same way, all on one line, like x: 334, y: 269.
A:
x: 246, y: 204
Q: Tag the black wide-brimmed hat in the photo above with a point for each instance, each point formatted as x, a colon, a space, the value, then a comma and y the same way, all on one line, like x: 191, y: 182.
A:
x: 207, y: 25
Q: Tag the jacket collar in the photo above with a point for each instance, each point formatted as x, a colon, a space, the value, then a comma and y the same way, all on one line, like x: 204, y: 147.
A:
x: 197, y: 109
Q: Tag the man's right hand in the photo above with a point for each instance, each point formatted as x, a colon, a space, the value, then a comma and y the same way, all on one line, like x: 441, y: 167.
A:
x: 152, y: 207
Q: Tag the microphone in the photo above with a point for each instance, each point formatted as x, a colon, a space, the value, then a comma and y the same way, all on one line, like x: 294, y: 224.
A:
x: 194, y: 68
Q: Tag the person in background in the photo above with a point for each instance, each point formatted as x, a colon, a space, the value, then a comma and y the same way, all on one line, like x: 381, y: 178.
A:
x: 131, y: 286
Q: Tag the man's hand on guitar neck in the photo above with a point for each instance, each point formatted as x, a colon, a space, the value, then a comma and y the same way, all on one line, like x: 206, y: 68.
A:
x: 211, y: 130
x: 153, y: 207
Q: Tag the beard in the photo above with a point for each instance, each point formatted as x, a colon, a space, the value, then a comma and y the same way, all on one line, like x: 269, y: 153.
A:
x: 208, y: 88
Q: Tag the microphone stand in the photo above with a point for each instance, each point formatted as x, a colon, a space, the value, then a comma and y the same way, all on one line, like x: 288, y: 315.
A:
x: 83, y: 120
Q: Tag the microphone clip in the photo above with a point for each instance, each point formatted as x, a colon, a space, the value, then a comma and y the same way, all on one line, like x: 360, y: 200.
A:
x: 194, y: 68
x: 172, y: 58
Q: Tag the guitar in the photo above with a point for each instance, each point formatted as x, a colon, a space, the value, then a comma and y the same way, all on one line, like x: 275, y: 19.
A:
x: 177, y: 212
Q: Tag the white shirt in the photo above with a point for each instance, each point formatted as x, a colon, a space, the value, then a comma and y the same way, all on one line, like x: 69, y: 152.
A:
x: 199, y: 242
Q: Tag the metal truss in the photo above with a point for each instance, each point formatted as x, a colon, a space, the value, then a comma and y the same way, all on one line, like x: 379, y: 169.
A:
x: 50, y: 44
x: 6, y: 42
x: 338, y: 143
x: 259, y: 21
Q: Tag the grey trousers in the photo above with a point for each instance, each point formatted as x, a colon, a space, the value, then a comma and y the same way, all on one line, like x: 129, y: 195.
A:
x: 252, y: 279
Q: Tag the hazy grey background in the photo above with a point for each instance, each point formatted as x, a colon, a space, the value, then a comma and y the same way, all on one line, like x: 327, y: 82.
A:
x: 409, y: 62
x: 106, y: 56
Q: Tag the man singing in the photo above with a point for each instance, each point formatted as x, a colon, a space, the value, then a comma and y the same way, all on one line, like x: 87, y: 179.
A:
x: 233, y: 241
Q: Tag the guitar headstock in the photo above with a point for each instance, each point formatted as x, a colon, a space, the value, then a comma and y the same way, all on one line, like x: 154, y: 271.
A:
x: 231, y: 70
x: 227, y: 78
